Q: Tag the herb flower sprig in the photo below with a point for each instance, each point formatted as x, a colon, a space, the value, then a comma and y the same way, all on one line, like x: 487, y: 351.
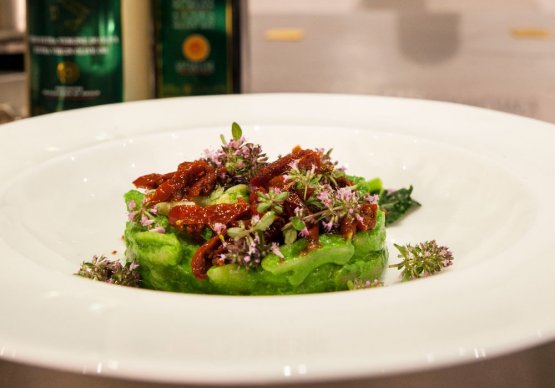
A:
x: 304, y: 181
x: 423, y: 259
x: 249, y: 246
x: 241, y: 160
x: 336, y: 204
x: 111, y: 271
x: 147, y: 217
x: 272, y: 200
x: 329, y: 170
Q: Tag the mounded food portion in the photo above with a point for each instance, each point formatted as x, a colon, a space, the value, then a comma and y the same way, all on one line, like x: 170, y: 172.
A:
x: 337, y: 264
x: 234, y: 223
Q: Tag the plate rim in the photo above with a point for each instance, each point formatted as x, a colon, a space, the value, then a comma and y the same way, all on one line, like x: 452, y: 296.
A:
x: 548, y: 333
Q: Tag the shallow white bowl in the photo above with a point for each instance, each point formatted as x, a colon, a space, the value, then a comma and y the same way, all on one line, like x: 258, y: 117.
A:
x: 485, y: 180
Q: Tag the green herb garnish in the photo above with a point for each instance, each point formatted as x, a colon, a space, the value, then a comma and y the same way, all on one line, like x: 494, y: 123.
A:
x: 421, y: 260
x: 111, y: 271
x: 396, y: 204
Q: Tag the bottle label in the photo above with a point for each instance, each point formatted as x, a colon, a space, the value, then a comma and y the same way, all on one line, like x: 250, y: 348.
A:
x: 194, y: 47
x: 75, y: 54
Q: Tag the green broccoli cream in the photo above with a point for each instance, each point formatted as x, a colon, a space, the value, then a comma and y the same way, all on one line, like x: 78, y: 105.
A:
x: 336, y: 264
x: 233, y: 222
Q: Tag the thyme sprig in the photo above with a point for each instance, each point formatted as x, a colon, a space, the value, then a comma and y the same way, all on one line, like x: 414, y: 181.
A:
x: 335, y: 204
x: 111, y: 271
x: 423, y: 259
x: 241, y: 160
x: 329, y: 170
x: 145, y: 216
x: 249, y: 245
x: 272, y: 200
x: 304, y: 181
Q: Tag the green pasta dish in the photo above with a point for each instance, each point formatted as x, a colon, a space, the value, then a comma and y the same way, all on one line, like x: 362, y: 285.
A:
x: 233, y: 222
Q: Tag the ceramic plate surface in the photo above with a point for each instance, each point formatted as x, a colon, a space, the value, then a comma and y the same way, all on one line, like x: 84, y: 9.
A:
x: 485, y: 180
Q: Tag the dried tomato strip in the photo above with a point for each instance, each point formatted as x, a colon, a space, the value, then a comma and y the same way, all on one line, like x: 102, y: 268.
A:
x: 292, y: 202
x: 173, y: 188
x: 367, y: 220
x: 183, y: 165
x: 152, y: 181
x: 313, y: 237
x: 309, y: 159
x: 348, y: 227
x: 223, y: 213
x: 278, y: 167
x: 253, y: 200
x: 279, y: 182
x: 200, y: 262
x: 205, y: 184
x: 343, y: 181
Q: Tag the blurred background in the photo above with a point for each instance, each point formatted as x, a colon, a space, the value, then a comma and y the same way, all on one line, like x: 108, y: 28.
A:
x: 498, y: 54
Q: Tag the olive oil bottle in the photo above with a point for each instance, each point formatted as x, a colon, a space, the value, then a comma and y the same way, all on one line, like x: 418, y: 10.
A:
x: 87, y: 52
x: 200, y: 47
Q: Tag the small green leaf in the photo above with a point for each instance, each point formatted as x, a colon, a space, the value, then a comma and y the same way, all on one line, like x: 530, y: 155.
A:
x: 290, y: 235
x: 135, y: 196
x: 297, y: 223
x: 372, y: 186
x: 163, y: 208
x: 207, y: 234
x: 402, y: 249
x: 265, y: 221
x: 231, y: 166
x: 262, y: 207
x: 236, y: 233
x: 236, y: 131
x: 282, y: 196
x: 397, y: 203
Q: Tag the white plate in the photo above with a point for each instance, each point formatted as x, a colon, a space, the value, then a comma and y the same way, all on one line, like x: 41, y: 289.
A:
x: 485, y: 180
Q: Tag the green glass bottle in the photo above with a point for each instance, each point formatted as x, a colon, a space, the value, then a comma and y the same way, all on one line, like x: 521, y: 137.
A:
x: 75, y: 54
x: 199, y: 47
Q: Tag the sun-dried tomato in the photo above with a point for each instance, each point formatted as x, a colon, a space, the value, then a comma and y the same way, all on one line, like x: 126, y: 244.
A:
x: 206, y: 184
x: 152, y: 181
x: 223, y: 213
x: 367, y: 220
x: 278, y: 182
x: 173, y: 189
x: 293, y: 202
x: 343, y: 181
x: 313, y: 237
x: 274, y: 232
x: 278, y: 167
x: 310, y: 159
x: 348, y: 227
x: 253, y: 199
x: 200, y: 262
